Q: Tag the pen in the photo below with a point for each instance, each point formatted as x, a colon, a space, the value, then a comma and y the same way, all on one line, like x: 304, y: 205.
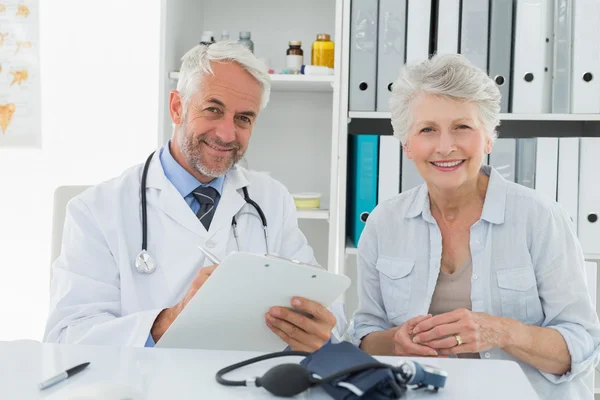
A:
x: 63, y: 375
x: 210, y: 255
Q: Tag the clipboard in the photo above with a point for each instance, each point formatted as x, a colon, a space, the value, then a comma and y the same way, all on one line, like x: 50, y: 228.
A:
x: 228, y: 312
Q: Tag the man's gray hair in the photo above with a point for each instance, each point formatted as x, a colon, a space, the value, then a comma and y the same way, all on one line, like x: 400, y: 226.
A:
x: 196, y: 63
x: 449, y: 75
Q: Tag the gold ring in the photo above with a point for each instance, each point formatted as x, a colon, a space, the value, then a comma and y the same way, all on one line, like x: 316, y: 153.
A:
x: 458, y: 340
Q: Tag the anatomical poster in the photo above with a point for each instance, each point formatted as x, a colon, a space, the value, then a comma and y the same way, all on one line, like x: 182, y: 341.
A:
x: 19, y: 74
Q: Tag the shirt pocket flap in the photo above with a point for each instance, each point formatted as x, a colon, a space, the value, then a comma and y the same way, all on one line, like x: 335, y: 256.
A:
x: 520, y: 279
x: 395, y: 268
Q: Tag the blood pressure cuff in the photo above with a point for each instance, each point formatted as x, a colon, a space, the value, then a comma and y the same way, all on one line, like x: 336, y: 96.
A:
x: 371, y: 384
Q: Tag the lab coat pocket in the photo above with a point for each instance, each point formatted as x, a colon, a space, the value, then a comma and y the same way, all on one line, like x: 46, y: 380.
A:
x: 519, y: 295
x: 395, y: 279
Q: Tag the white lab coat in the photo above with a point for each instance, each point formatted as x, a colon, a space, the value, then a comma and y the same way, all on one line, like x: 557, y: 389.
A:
x: 97, y: 296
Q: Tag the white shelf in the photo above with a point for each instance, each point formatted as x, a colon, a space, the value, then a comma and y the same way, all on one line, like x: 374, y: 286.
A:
x: 370, y: 115
x: 350, y: 249
x: 503, y: 117
x: 313, y: 214
x: 292, y: 83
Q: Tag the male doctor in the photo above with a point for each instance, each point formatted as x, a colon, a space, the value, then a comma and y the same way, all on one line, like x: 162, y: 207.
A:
x: 193, y: 189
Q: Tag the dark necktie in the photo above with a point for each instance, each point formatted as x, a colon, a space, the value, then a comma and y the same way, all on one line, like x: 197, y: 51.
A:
x: 206, y: 196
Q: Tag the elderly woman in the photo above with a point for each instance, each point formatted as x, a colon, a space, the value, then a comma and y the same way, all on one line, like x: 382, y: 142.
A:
x: 469, y: 264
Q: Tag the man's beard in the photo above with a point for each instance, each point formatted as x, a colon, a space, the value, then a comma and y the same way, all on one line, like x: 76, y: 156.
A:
x: 191, y: 150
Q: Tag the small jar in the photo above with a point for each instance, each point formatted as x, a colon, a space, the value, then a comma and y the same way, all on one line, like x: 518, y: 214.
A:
x: 322, y: 51
x: 246, y: 41
x: 294, y: 57
x: 224, y: 35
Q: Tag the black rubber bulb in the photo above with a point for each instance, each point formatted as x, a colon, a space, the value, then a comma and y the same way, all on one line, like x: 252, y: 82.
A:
x: 286, y: 380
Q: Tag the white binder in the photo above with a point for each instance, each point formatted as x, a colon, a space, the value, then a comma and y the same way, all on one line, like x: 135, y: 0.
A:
x: 418, y: 23
x: 410, y: 176
x: 568, y: 176
x: 561, y: 77
x: 526, y: 160
x: 503, y: 158
x: 474, y: 32
x: 388, y: 183
x: 363, y: 55
x: 532, y: 83
x: 585, y: 84
x: 546, y: 166
x: 448, y: 26
x: 501, y: 20
x: 589, y: 197
x: 391, y: 45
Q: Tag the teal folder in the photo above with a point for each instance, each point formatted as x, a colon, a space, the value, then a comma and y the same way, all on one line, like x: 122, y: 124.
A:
x: 363, y: 161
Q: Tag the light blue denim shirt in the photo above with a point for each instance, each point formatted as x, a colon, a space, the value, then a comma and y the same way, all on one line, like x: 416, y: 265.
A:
x: 527, y: 265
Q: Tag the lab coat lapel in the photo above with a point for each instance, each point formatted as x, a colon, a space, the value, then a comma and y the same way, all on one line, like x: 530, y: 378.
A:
x: 169, y: 200
x: 231, y: 201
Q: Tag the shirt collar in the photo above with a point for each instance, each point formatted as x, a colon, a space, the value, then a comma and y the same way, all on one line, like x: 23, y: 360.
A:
x: 494, y: 205
x: 183, y: 181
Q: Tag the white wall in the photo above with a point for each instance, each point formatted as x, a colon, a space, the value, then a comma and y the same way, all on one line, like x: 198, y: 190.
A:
x: 99, y: 71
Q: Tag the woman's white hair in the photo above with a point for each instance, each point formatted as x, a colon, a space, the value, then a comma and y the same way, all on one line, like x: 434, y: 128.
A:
x: 196, y: 63
x: 448, y: 75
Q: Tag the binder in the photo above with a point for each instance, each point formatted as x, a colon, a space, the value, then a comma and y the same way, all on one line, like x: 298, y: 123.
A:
x: 418, y: 24
x: 561, y: 77
x: 546, y: 166
x: 389, y: 168
x: 568, y: 176
x: 448, y: 26
x: 589, y: 197
x: 585, y: 84
x: 501, y: 20
x: 532, y: 83
x: 390, y: 48
x: 362, y: 182
x: 526, y: 162
x: 363, y: 55
x: 474, y: 32
x: 409, y: 177
x: 503, y: 158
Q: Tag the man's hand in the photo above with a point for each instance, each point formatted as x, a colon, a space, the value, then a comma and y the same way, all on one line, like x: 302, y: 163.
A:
x: 302, y: 333
x: 167, y: 316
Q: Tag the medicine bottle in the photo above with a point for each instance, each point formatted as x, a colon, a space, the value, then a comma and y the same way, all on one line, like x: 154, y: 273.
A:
x: 323, y: 51
x: 246, y: 41
x: 294, y: 57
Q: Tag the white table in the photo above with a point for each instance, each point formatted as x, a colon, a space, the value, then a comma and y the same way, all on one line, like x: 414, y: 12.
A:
x: 189, y: 374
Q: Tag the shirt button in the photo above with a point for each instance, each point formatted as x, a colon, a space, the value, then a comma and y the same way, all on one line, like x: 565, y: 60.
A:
x: 477, y: 243
x: 475, y: 277
x: 210, y: 244
x: 487, y: 355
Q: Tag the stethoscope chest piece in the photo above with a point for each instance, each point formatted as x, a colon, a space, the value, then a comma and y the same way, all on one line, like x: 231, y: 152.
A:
x: 144, y: 262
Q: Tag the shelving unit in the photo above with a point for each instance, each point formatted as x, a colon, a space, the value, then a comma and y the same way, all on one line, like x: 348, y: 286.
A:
x: 295, y: 137
x: 302, y: 135
x: 313, y: 214
x: 503, y: 117
x: 292, y: 83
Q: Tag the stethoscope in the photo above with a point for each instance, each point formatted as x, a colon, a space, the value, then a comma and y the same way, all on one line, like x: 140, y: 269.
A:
x: 145, y: 263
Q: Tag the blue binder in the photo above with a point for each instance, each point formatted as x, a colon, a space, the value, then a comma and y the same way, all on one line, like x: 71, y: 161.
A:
x: 363, y: 161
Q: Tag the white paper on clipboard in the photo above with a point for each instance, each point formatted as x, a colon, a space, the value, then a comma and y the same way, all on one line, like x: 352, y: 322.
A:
x: 228, y: 312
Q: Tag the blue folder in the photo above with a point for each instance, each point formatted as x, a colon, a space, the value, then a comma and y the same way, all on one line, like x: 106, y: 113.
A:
x: 363, y: 161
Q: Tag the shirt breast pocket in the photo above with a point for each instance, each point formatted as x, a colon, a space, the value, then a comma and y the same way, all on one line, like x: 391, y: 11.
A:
x: 395, y: 280
x: 519, y: 295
